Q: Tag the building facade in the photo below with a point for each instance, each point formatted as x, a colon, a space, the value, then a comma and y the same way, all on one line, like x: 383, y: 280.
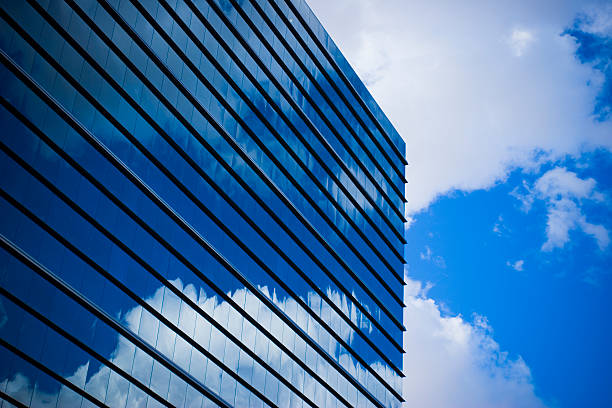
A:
x: 201, y: 205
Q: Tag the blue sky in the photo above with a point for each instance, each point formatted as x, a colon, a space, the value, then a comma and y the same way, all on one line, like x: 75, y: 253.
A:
x: 483, y: 254
x: 506, y: 110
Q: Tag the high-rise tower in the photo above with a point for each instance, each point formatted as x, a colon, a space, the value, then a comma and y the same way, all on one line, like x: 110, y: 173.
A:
x: 200, y: 205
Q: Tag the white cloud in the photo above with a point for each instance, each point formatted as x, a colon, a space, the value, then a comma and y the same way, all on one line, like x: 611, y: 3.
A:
x: 519, y: 41
x: 450, y: 362
x: 517, y: 266
x: 563, y: 215
x: 564, y: 192
x: 599, y: 20
x: 500, y: 228
x: 559, y: 182
x: 469, y: 110
x: 409, y: 222
x: 428, y: 255
x: 525, y: 198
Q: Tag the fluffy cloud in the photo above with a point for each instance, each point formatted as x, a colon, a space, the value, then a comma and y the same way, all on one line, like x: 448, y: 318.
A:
x: 564, y: 192
x: 448, y: 76
x: 450, y: 362
x: 559, y: 182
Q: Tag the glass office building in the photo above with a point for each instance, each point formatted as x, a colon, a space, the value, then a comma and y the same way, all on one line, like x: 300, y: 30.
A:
x: 201, y: 205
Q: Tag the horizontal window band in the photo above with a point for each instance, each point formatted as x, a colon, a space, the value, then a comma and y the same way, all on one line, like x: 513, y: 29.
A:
x: 188, y: 229
x: 104, y: 112
x: 346, y: 82
x: 107, y: 319
x: 4, y: 396
x: 47, y: 322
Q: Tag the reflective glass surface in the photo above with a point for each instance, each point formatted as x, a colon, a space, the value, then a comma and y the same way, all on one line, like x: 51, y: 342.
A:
x: 200, y: 205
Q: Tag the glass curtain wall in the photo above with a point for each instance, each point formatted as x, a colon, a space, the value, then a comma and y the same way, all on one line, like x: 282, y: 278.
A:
x: 200, y: 205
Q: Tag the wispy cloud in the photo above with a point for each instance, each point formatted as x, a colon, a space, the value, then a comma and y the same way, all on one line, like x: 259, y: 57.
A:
x: 500, y: 228
x: 428, y: 255
x: 563, y: 193
x: 517, y: 265
x: 594, y: 276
